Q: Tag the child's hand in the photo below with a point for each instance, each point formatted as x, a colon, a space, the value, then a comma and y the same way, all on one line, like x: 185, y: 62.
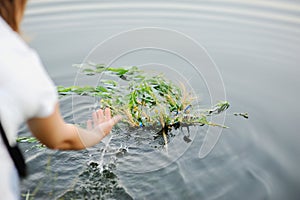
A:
x: 102, y: 122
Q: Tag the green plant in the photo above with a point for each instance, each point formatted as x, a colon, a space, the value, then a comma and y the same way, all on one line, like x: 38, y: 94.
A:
x: 145, y: 100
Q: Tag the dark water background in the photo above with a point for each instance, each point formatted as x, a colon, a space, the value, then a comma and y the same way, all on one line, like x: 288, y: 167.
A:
x: 256, y: 46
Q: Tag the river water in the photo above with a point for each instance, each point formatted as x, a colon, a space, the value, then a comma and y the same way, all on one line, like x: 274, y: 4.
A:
x: 255, y: 46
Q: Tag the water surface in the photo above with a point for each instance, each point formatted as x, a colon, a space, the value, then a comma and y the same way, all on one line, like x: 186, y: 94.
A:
x: 256, y: 47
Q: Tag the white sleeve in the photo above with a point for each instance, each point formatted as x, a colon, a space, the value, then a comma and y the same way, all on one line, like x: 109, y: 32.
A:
x: 26, y: 90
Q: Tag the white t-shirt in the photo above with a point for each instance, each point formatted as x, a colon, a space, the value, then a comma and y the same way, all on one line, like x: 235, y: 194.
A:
x: 26, y: 91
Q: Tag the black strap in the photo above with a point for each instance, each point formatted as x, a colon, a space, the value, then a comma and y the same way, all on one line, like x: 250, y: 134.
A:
x: 15, y: 155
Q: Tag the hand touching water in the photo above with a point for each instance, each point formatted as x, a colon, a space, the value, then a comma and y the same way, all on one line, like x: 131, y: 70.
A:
x: 97, y: 128
x: 102, y: 121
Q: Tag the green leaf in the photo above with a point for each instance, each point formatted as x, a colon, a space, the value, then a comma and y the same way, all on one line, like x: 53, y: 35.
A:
x: 119, y: 71
x: 101, y: 89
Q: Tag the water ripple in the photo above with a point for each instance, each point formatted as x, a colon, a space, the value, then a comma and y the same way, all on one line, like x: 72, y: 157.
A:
x: 259, y: 13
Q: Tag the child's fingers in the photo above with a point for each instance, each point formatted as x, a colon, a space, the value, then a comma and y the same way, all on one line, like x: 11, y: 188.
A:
x: 95, y: 118
x: 107, y: 114
x: 101, y: 117
x: 115, y: 119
